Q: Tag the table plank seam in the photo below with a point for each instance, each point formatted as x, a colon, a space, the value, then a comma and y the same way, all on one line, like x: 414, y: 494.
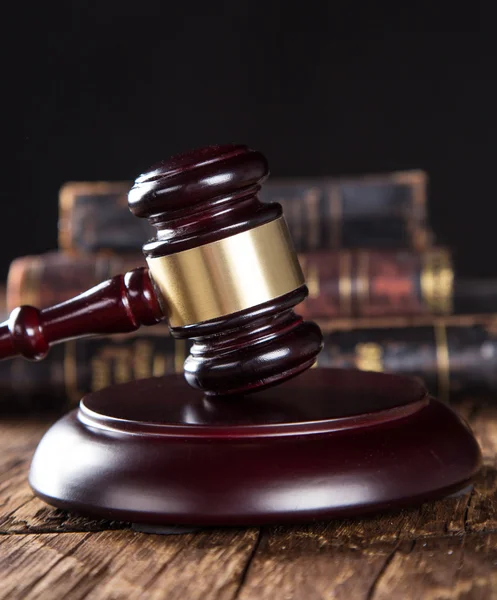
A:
x: 375, y: 583
x: 5, y: 518
x: 466, y: 509
x: 366, y: 542
x: 250, y: 559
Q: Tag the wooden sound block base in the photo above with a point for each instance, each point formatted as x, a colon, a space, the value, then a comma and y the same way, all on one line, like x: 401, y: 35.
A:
x: 328, y: 443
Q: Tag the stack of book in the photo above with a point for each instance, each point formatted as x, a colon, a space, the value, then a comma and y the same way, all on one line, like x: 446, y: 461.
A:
x: 385, y: 295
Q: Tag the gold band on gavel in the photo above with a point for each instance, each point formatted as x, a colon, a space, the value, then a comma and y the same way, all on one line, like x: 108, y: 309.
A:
x: 227, y: 276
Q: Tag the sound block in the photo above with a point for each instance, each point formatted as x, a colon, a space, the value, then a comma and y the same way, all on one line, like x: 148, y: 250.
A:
x: 329, y: 443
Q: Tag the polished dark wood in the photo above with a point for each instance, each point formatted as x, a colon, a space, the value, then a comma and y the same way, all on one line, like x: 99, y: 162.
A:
x: 119, y: 305
x: 192, y: 199
x: 253, y: 349
x: 442, y: 549
x: 202, y: 196
x: 326, y: 444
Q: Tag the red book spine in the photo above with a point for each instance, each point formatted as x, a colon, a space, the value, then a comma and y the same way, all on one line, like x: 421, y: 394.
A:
x: 342, y: 283
x: 375, y: 283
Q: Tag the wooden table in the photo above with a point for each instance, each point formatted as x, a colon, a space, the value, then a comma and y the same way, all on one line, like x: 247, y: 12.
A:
x: 446, y: 549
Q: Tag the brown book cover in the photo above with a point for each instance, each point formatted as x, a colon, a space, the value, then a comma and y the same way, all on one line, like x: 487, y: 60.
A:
x: 379, y: 211
x: 375, y: 283
x: 341, y: 283
x: 46, y: 279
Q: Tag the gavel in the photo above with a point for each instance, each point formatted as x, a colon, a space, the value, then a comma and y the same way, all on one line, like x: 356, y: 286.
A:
x: 222, y: 271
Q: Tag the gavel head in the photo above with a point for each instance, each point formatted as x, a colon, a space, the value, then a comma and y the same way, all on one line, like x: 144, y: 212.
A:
x: 225, y: 270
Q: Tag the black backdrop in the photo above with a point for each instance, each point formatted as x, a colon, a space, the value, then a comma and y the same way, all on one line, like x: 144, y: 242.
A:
x: 102, y: 90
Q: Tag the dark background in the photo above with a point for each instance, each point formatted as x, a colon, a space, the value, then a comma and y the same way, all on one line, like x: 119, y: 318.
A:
x: 102, y: 90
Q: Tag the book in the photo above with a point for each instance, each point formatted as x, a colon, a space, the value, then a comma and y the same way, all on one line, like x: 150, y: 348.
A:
x: 378, y: 211
x: 342, y: 283
x: 77, y: 367
x: 452, y: 355
x: 53, y: 277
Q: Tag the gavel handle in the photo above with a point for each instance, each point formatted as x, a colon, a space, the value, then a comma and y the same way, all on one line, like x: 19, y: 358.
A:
x: 118, y: 305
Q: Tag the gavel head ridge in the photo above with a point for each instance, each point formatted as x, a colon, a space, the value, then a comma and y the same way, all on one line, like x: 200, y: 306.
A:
x: 225, y: 270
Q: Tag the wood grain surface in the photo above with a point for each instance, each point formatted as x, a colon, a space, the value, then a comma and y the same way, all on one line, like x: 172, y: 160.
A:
x: 441, y: 550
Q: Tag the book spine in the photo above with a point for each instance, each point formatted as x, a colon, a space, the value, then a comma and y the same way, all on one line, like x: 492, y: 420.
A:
x: 95, y: 216
x: 86, y: 365
x: 341, y: 283
x: 46, y: 279
x: 373, y: 283
x: 381, y: 211
x: 452, y: 356
x: 92, y: 364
